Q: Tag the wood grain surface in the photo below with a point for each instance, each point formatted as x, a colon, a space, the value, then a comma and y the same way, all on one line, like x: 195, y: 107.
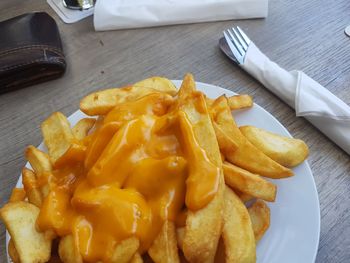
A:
x: 298, y: 34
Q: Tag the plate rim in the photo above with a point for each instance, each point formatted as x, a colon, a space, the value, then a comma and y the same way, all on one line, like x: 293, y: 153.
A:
x: 221, y: 90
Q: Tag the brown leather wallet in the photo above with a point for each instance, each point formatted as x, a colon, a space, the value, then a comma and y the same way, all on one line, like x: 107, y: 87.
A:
x: 30, y: 51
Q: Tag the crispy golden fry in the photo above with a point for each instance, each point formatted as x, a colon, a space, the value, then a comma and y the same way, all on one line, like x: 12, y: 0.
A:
x: 237, y: 231
x: 136, y: 258
x: 67, y: 250
x: 238, y: 102
x: 39, y: 160
x: 19, y: 218
x: 101, y: 102
x: 164, y: 247
x: 227, y: 145
x: 203, y: 226
x: 246, y: 156
x: 17, y: 194
x: 286, y: 151
x: 57, y: 135
x: 259, y: 214
x: 157, y: 83
x: 13, y: 252
x: 82, y: 128
x: 125, y: 250
x: 41, y: 164
x: 246, y: 182
x: 31, y: 187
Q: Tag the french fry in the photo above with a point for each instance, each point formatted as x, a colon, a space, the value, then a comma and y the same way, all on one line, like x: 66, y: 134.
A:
x: 31, y: 187
x: 237, y: 233
x: 202, y: 226
x: 286, y: 151
x: 246, y: 182
x: 41, y: 164
x: 57, y: 135
x: 164, y: 248
x: 19, y: 218
x: 246, y: 155
x: 99, y: 141
x: 101, y: 102
x: 125, y: 250
x: 157, y: 83
x: 259, y: 214
x: 228, y: 146
x: 67, y: 250
x: 18, y: 194
x: 238, y: 102
x: 39, y: 160
x: 82, y: 128
x: 13, y: 252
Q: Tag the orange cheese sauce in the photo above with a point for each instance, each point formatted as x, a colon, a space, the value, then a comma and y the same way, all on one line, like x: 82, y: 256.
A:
x: 142, y: 166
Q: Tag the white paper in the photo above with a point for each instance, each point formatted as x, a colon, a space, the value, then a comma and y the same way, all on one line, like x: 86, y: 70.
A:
x: 68, y: 15
x: 119, y: 14
x: 310, y: 99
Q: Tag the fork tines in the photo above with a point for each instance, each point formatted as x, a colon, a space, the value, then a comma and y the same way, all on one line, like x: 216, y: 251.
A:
x: 238, y: 42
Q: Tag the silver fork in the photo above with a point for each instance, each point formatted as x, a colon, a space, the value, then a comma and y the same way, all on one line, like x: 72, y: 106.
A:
x: 238, y: 43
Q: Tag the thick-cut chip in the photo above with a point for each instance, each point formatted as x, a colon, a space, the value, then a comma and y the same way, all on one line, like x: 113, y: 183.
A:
x: 18, y: 194
x: 39, y: 160
x: 67, y: 250
x: 157, y: 83
x: 202, y: 226
x: 13, y: 252
x: 57, y: 135
x: 31, y: 187
x: 227, y: 145
x: 286, y: 151
x: 237, y: 231
x: 238, y: 102
x: 41, y: 164
x: 164, y: 247
x: 136, y: 258
x: 101, y: 102
x: 259, y: 214
x: 82, y: 128
x: 125, y: 250
x: 246, y: 155
x: 246, y: 182
x: 19, y: 218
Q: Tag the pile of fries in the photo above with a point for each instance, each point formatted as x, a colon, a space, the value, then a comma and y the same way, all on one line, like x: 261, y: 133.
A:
x: 155, y: 175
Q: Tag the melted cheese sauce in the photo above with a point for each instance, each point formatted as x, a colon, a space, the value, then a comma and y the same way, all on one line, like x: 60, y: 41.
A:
x: 141, y: 166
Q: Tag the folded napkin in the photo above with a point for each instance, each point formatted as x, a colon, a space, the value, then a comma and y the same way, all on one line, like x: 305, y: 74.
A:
x: 309, y: 99
x: 118, y: 14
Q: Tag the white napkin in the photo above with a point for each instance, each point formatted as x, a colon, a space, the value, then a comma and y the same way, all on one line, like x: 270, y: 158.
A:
x: 118, y: 14
x: 68, y: 15
x: 309, y: 99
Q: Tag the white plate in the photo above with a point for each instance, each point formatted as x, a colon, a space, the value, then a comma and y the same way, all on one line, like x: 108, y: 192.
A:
x: 295, y: 215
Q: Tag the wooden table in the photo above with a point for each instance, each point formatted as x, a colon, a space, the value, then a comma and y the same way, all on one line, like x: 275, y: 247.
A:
x: 300, y: 34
